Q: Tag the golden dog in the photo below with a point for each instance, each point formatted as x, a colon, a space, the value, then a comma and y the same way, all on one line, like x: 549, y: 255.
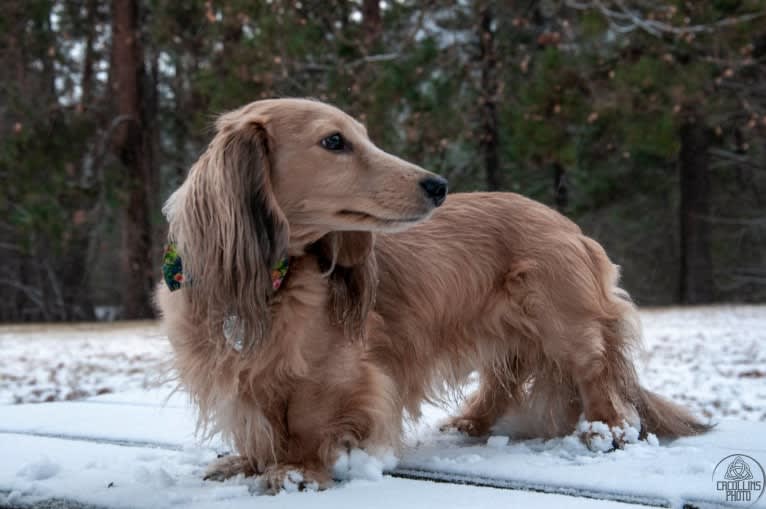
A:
x: 387, y: 301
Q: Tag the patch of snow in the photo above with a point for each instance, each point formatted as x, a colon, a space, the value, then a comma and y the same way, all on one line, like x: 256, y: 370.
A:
x: 601, y: 438
x: 39, y: 470
x: 292, y: 482
x: 229, y: 491
x: 114, y: 484
x: 51, y: 362
x: 712, y: 360
x: 153, y: 477
x: 498, y: 441
x: 359, y: 464
x: 362, y: 465
x: 597, y: 435
x: 12, y: 498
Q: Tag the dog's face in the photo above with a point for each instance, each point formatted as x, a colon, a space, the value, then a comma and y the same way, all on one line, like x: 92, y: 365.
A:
x: 326, y: 174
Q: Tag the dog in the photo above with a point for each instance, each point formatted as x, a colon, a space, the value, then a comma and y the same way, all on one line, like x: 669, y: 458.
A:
x: 318, y: 290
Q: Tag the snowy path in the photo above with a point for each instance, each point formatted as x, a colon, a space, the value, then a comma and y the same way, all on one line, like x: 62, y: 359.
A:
x: 114, y: 476
x: 133, y: 447
x: 77, y: 449
x: 124, y: 450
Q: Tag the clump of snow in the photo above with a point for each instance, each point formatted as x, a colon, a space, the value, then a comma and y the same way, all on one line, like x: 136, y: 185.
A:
x: 39, y: 470
x: 626, y: 434
x: 462, y: 459
x: 157, y: 477
x: 596, y: 434
x: 498, y: 441
x: 229, y: 491
x: 601, y: 438
x: 359, y: 464
x: 179, y: 499
x: 294, y: 481
x: 14, y: 497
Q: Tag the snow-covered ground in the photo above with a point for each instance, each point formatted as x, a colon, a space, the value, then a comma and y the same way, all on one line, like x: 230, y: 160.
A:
x: 107, y: 440
x: 713, y: 359
x: 43, y: 363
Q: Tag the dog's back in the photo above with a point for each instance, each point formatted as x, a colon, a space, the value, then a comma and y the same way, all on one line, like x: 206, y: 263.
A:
x: 501, y: 284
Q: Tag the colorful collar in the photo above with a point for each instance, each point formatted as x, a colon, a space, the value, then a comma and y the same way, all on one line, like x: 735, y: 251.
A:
x: 172, y: 269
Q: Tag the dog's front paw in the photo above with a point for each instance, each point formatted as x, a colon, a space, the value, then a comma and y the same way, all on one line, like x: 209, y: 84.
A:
x: 291, y: 478
x: 468, y: 425
x: 229, y: 466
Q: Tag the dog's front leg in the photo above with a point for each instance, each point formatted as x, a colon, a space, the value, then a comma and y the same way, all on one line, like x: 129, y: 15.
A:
x: 353, y: 407
x: 310, y: 445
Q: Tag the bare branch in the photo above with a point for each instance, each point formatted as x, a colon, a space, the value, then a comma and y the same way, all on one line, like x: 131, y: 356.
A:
x: 33, y: 294
x: 624, y: 19
x: 738, y: 221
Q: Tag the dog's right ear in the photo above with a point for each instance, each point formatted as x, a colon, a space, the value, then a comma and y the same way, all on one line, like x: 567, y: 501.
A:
x: 348, y: 258
x: 345, y: 248
x: 228, y: 227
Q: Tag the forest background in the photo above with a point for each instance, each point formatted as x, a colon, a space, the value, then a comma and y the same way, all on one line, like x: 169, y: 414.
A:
x: 642, y: 120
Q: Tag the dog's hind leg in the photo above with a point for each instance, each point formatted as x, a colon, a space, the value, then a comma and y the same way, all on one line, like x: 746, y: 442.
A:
x: 496, y: 394
x: 605, y: 380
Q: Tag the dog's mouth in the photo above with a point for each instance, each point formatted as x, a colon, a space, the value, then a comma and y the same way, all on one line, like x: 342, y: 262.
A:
x: 364, y: 217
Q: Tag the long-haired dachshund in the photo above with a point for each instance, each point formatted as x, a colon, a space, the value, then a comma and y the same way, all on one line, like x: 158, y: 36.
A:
x: 318, y: 289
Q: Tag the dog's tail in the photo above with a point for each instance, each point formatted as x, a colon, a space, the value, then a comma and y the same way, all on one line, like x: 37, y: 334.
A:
x: 665, y: 418
x: 658, y: 415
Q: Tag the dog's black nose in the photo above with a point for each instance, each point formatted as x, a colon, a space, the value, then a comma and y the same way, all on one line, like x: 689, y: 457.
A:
x: 435, y: 188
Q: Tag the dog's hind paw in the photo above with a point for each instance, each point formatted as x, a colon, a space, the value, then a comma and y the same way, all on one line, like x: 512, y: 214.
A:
x: 229, y: 466
x: 599, y: 437
x: 467, y: 425
x: 291, y: 478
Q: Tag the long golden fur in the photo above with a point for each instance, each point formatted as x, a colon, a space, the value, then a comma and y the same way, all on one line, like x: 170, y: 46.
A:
x: 388, y: 302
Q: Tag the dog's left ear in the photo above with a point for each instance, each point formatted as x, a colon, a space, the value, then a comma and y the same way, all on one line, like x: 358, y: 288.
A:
x: 349, y: 258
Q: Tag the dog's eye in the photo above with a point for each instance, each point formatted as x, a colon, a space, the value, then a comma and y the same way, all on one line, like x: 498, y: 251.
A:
x: 334, y: 142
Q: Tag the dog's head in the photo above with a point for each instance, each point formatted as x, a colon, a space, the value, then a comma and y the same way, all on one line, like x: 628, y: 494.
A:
x: 282, y: 177
x: 326, y: 175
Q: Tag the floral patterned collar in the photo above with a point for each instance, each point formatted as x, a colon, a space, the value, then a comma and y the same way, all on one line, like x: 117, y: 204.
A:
x: 172, y: 269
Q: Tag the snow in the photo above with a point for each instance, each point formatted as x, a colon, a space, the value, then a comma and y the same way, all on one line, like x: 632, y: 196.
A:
x: 358, y: 464
x: 39, y: 470
x: 497, y: 441
x: 69, y: 362
x: 647, y: 471
x: 108, y: 440
x: 103, y: 474
x: 712, y: 359
x: 600, y: 437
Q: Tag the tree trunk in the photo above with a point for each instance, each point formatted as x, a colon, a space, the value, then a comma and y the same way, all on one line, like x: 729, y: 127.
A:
x: 132, y: 146
x: 371, y: 22
x: 488, y: 137
x: 696, y: 261
x: 560, y: 187
x: 88, y: 60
